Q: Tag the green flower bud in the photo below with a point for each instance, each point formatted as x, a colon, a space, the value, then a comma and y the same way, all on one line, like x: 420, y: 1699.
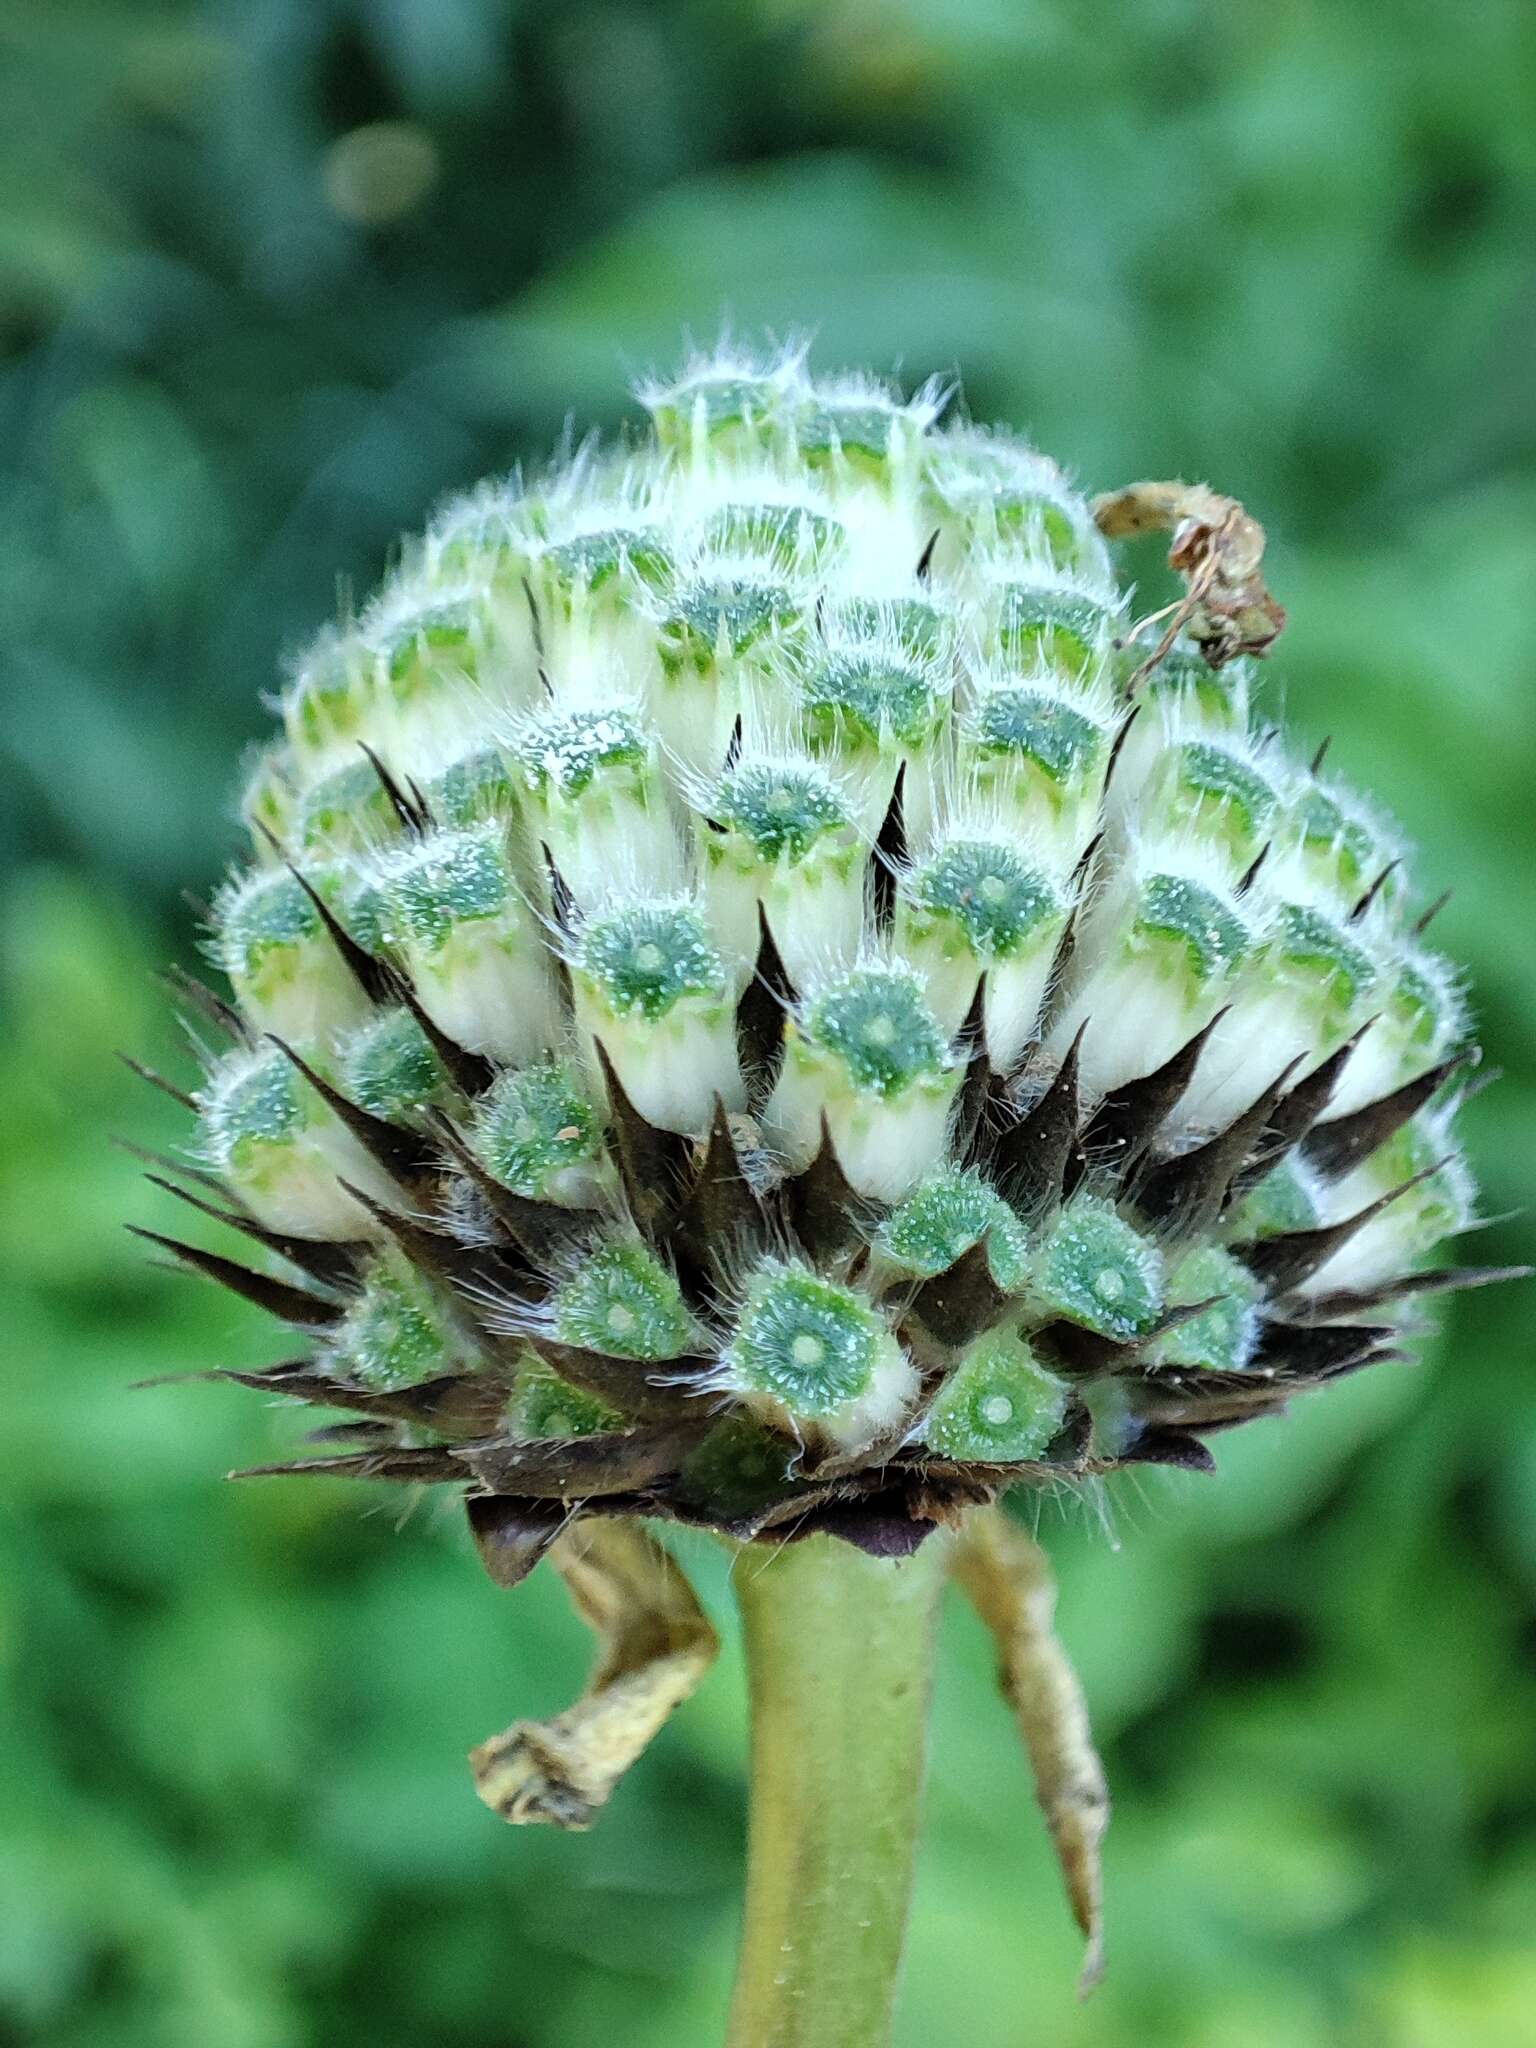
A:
x: 868, y: 1054
x: 816, y: 1358
x: 780, y: 837
x: 269, y: 1136
x: 1222, y: 1337
x: 347, y: 811
x: 539, y: 1134
x: 1156, y: 959
x: 1057, y: 628
x: 623, y: 1301
x: 651, y: 985
x: 599, y: 798
x: 331, y: 702
x: 474, y: 949
x: 947, y: 1213
x: 998, y: 1406
x: 282, y: 963
x: 1039, y: 761
x: 398, y: 1331
x: 388, y: 1067
x: 1094, y: 1269
x: 545, y: 1408
x: 974, y: 907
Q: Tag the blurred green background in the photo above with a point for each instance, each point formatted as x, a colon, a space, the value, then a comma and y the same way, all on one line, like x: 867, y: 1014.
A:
x: 274, y: 274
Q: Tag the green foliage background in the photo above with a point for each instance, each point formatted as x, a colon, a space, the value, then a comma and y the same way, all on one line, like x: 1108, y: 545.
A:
x: 273, y: 275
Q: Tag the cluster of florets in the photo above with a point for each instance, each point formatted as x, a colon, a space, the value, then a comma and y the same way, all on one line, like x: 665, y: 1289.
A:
x: 740, y: 1012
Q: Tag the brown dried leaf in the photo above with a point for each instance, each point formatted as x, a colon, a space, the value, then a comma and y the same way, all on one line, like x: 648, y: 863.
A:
x: 1218, y: 549
x: 655, y: 1644
x: 1008, y: 1580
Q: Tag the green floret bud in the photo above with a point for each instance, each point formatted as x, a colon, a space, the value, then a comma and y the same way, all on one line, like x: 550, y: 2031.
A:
x: 1308, y: 948
x: 623, y: 1301
x: 389, y: 1068
x: 740, y: 1466
x: 1029, y: 517
x: 589, y: 561
x: 723, y: 408
x: 449, y: 879
x: 994, y: 896
x: 442, y: 638
x: 269, y: 799
x: 1283, y: 1201
x: 564, y: 752
x: 792, y: 537
x: 327, y: 708
x: 537, y: 1132
x: 1216, y: 697
x: 1221, y: 796
x: 1094, y: 1269
x: 1045, y: 732
x: 817, y: 1356
x: 864, y: 433
x: 877, y: 1025
x: 1340, y: 847
x: 475, y: 951
x: 398, y: 1332
x: 944, y: 1216
x: 348, y: 809
x: 476, y: 787
x: 1424, y: 1009
x: 917, y: 627
x: 270, y: 1137
x: 785, y: 811
x: 281, y: 961
x: 1064, y: 630
x: 1222, y: 1337
x: 998, y: 1406
x: 647, y: 958
x: 870, y: 699
x: 545, y: 1408
x: 1193, y: 922
x: 722, y: 615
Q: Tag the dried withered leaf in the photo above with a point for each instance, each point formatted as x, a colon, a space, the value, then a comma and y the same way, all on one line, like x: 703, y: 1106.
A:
x: 655, y: 1644
x: 1007, y: 1578
x: 1218, y: 549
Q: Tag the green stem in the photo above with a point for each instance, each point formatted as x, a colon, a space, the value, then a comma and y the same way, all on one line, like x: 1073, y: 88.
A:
x: 839, y: 1659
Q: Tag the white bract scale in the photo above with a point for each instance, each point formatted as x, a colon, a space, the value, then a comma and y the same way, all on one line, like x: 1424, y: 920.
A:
x: 1420, y: 1019
x: 1182, y: 700
x: 1157, y: 954
x: 282, y: 964
x: 475, y: 951
x: 1212, y: 791
x: 269, y: 1136
x: 651, y: 985
x: 598, y: 799
x: 1437, y: 1200
x: 331, y: 702
x: 776, y: 837
x: 989, y: 493
x: 867, y: 1054
x: 817, y: 1359
x: 1307, y: 984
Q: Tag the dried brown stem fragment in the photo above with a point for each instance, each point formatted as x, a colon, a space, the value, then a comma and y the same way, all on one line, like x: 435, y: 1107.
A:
x: 1007, y: 1578
x: 1218, y: 549
x: 655, y: 1644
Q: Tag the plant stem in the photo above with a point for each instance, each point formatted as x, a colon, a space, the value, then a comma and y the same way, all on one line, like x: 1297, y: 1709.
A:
x: 839, y: 1660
